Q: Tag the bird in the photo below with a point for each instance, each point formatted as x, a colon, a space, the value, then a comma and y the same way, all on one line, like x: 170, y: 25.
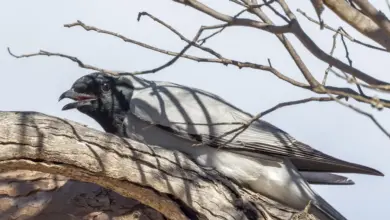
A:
x: 203, y: 126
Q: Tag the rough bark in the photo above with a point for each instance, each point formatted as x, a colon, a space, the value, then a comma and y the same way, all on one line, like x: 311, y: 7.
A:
x: 359, y: 21
x: 164, y: 180
x: 33, y: 195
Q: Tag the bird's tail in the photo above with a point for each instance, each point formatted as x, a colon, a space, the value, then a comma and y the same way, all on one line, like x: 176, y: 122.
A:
x: 322, y: 178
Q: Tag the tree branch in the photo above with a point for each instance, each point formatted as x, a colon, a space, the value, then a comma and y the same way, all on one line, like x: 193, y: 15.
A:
x: 72, y: 58
x: 27, y: 194
x: 345, y: 92
x: 165, y: 180
x: 239, y: 130
x: 341, y: 31
x: 359, y: 21
x: 293, y: 27
x: 377, y: 16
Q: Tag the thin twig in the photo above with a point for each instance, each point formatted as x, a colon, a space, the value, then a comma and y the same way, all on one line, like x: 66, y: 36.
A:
x: 388, y: 4
x: 294, y: 28
x: 346, y: 50
x: 286, y: 10
x: 224, y: 26
x: 331, y: 54
x: 190, y: 43
x: 72, y: 58
x: 339, y: 31
x: 319, y: 8
x: 350, y: 63
x: 354, y: 81
x: 221, y: 28
x: 345, y: 92
x: 356, y: 109
x: 180, y: 35
x: 278, y: 13
x: 203, y: 40
x: 224, y: 61
x: 243, y: 127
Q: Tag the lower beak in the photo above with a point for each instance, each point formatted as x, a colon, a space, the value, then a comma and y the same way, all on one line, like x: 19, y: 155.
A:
x: 72, y: 105
x: 81, y: 99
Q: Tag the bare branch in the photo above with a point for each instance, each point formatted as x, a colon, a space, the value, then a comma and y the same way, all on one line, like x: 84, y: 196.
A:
x: 359, y: 21
x: 234, y: 21
x: 283, y: 39
x: 74, y: 59
x: 290, y: 15
x: 345, y: 92
x: 217, y: 55
x: 243, y: 127
x: 221, y: 28
x: 377, y: 16
x: 354, y: 81
x: 286, y: 10
x: 223, y: 60
x: 247, y: 8
x: 356, y: 109
x: 239, y: 130
x: 350, y: 63
x: 162, y: 179
x: 316, y: 51
x: 343, y: 32
x: 388, y: 4
x: 27, y: 194
x: 331, y: 53
x: 319, y: 8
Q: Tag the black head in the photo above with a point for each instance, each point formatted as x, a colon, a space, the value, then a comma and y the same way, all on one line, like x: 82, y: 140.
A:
x: 103, y: 97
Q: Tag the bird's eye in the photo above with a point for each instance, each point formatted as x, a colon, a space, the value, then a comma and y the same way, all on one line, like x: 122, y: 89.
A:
x: 105, y: 87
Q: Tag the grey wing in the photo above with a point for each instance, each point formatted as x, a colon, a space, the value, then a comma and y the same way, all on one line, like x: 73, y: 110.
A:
x: 196, y: 114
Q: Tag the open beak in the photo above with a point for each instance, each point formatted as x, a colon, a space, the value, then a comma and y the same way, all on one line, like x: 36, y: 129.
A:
x: 81, y: 99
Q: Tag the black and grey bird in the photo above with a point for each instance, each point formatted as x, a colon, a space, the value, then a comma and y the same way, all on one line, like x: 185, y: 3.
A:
x: 263, y: 157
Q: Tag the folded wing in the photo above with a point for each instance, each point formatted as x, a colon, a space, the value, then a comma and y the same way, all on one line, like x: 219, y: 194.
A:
x: 203, y: 117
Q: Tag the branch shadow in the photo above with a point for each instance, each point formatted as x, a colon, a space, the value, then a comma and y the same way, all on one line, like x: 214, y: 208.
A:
x: 69, y: 199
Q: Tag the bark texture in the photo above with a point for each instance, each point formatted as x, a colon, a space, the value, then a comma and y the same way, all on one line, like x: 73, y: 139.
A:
x: 104, y: 168
x: 33, y: 195
x: 359, y: 21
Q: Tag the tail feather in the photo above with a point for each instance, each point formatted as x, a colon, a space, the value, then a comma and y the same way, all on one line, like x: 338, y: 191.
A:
x: 339, y: 167
x: 332, y: 165
x: 321, y: 178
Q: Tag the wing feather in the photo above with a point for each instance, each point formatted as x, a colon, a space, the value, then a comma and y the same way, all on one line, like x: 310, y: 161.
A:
x: 202, y: 116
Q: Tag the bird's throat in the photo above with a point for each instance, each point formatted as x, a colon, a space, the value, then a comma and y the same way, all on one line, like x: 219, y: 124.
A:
x: 111, y: 123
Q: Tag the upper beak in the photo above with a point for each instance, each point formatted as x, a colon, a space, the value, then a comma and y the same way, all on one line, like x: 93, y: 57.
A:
x: 81, y: 99
x: 71, y: 94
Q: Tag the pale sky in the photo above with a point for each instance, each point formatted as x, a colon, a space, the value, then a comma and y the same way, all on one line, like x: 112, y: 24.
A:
x: 34, y: 84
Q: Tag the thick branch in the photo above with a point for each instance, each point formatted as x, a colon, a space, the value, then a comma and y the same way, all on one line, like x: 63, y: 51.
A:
x: 359, y: 21
x: 377, y: 16
x: 234, y: 21
x: 35, y: 195
x: 165, y: 180
x: 296, y: 29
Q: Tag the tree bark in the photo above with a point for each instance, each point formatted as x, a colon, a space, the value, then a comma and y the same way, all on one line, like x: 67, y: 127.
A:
x: 33, y: 195
x: 167, y: 181
x: 359, y: 21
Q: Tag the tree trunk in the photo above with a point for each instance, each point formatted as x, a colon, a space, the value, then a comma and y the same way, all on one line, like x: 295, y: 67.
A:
x: 110, y: 177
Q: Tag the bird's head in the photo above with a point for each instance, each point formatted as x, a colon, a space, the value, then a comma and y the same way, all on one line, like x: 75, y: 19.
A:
x: 103, y: 97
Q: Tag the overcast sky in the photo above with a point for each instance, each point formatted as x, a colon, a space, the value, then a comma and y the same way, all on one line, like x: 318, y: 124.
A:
x: 34, y: 84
